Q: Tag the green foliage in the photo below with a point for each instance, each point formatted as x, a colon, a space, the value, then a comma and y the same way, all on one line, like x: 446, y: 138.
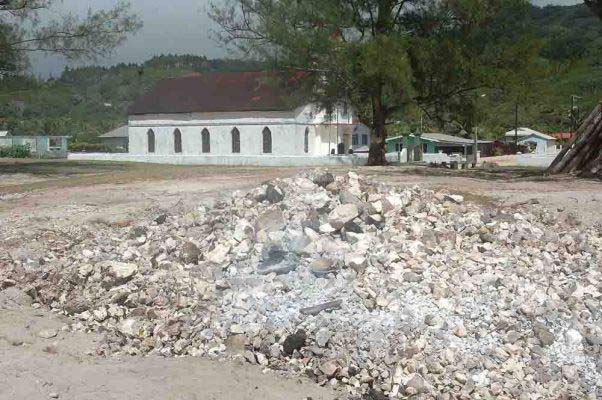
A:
x: 88, y: 101
x: 457, y: 61
x: 15, y: 151
x: 82, y: 147
x: 382, y: 55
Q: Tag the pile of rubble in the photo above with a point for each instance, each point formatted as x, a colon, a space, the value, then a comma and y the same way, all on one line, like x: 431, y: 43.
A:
x: 377, y: 289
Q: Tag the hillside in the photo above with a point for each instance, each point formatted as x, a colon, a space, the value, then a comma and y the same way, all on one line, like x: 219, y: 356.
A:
x: 85, y: 102
x: 571, y: 48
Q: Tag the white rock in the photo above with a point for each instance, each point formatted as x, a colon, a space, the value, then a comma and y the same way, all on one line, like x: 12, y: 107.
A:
x: 342, y: 214
x: 454, y: 198
x: 218, y: 254
x: 573, y: 337
x: 355, y: 261
x: 323, y: 336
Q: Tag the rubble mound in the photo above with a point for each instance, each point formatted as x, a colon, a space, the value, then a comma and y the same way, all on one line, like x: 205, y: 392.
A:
x: 381, y: 290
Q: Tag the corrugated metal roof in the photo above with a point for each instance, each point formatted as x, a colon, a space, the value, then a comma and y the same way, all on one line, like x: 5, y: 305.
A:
x: 445, y: 139
x: 522, y: 132
x: 219, y: 92
x: 122, y: 131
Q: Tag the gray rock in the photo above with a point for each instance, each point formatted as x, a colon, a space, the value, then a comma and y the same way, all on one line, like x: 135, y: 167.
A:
x: 416, y: 382
x: 544, y: 335
x: 48, y: 333
x: 250, y: 357
x: 346, y: 197
x: 117, y: 273
x: 190, y: 253
x: 14, y: 297
x: 270, y: 221
x: 342, y: 214
x: 328, y: 306
x: 411, y: 276
x: 274, y: 194
x: 323, y: 179
x: 137, y: 231
x: 323, y: 266
x: 160, y: 218
x: 329, y: 368
x: 323, y: 336
x: 294, y: 342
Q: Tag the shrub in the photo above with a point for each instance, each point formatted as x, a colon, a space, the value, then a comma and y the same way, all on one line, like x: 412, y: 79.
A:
x: 88, y: 148
x: 16, y: 151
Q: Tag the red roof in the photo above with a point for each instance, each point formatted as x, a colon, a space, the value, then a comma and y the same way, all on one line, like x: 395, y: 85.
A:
x: 562, y: 135
x: 219, y: 92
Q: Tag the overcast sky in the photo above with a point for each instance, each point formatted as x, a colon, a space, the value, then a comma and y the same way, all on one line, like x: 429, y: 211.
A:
x: 172, y: 26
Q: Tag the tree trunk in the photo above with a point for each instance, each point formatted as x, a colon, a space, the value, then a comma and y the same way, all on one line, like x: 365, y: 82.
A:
x: 378, y: 134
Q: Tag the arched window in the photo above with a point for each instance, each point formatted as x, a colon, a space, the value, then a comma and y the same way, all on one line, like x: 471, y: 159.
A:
x: 235, y: 141
x: 306, y: 141
x: 206, y: 141
x: 177, y: 141
x: 150, y: 141
x: 267, y: 140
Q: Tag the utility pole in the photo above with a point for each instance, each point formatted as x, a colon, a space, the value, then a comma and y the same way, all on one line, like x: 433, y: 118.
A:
x: 572, y: 114
x: 516, y: 126
x: 475, y: 147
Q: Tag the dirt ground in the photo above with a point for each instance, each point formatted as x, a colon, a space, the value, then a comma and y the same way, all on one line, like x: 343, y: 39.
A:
x: 64, y: 367
x: 41, y: 195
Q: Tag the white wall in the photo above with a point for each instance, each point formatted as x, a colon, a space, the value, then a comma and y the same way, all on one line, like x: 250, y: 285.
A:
x: 226, y: 160
x: 287, y: 128
x: 543, y: 146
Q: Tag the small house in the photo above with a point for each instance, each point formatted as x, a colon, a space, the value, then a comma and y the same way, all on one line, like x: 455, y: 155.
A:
x: 538, y: 142
x: 116, y: 140
x: 437, y: 143
x: 40, y: 145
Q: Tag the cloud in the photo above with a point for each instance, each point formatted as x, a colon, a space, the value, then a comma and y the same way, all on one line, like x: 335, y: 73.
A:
x: 174, y: 26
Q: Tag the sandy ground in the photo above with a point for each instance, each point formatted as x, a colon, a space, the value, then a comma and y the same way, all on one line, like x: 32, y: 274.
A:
x: 32, y: 367
x: 60, y: 366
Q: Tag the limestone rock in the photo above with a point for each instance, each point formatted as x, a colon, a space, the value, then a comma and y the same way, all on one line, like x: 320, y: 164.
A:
x: 117, y: 273
x: 342, y: 214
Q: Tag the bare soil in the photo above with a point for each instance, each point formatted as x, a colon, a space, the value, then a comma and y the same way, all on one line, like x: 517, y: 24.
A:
x: 65, y: 367
x: 42, y: 195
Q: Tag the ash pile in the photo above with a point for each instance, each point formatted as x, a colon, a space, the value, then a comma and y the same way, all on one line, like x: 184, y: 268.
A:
x: 373, y: 289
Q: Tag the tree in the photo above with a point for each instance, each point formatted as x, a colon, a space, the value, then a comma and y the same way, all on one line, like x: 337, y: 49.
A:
x: 349, y: 51
x: 464, y: 50
x: 595, y: 6
x: 381, y: 55
x: 96, y: 35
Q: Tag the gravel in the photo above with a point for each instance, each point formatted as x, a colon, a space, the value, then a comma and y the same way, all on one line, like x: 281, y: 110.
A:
x: 381, y: 291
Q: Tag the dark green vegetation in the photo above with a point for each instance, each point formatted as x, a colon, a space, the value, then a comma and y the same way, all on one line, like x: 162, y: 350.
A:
x: 86, y: 102
x: 15, y: 151
x: 570, y: 63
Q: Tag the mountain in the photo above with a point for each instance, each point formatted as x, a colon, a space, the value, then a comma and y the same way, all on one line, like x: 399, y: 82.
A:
x: 88, y: 101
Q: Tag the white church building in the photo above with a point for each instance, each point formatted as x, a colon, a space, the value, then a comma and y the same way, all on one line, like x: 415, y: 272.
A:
x: 246, y: 118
